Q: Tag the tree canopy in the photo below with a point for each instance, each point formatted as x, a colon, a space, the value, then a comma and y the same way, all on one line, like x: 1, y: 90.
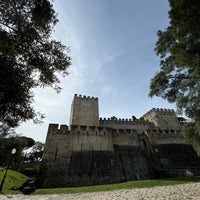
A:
x: 178, y: 47
x: 36, y: 152
x: 29, y: 57
x: 9, y: 140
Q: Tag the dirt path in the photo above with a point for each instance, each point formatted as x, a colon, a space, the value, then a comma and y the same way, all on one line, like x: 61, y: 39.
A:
x: 189, y: 191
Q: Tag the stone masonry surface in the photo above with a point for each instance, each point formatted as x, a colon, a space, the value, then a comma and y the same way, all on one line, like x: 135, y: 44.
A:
x: 93, y: 150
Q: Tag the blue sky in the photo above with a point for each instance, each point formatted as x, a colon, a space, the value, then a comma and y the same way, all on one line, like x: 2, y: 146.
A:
x: 112, y: 49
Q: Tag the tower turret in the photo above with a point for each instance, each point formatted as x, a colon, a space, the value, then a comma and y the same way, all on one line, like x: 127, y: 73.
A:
x: 84, y: 111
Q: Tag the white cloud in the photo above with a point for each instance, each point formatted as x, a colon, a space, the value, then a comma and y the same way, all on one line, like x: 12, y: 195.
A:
x: 94, y: 49
x: 108, y: 90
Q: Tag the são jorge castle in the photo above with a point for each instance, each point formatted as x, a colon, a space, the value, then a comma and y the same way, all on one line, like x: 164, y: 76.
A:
x: 93, y: 150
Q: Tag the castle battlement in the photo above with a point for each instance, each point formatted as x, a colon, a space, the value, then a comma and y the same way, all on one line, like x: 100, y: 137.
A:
x: 91, y: 130
x: 56, y: 129
x: 124, y: 132
x: 115, y: 119
x: 165, y: 136
x: 160, y: 111
x: 84, y: 97
x: 122, y: 121
x: 160, y: 132
x: 165, y: 119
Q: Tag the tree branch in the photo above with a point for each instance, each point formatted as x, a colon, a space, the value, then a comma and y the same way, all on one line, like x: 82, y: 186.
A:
x: 9, y: 27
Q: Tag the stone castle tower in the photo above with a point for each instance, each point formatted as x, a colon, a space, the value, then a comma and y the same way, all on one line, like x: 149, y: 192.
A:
x: 95, y: 150
x: 84, y: 111
x: 165, y: 119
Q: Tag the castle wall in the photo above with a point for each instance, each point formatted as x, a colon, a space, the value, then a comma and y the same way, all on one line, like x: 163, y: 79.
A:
x: 159, y: 137
x: 91, y: 138
x: 84, y: 111
x: 163, y: 119
x: 57, y: 155
x: 125, y: 137
x: 113, y: 150
x: 103, y: 167
x: 116, y: 123
x: 58, y: 143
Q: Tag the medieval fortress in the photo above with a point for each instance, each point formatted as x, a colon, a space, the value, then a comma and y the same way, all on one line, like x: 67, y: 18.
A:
x: 93, y: 150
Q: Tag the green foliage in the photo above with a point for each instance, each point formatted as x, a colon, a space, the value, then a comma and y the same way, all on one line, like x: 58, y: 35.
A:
x: 10, y: 140
x: 118, y: 186
x: 29, y: 57
x: 182, y: 120
x: 13, y: 178
x: 179, y: 50
x: 191, y: 133
x: 36, y: 152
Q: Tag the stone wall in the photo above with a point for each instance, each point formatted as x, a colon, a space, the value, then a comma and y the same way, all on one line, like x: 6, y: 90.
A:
x: 91, y: 138
x: 98, y: 151
x: 116, y: 123
x: 176, y: 160
x: 125, y: 137
x: 84, y: 111
x: 103, y: 167
x: 90, y: 155
x: 163, y: 119
x: 57, y: 155
x: 165, y: 137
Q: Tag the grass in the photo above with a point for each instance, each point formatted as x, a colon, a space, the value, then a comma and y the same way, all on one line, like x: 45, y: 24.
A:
x: 126, y: 185
x: 13, y: 178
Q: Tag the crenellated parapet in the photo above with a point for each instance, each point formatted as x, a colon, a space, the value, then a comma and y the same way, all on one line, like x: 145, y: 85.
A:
x: 165, y: 119
x: 123, y: 123
x: 124, y: 132
x: 159, y: 111
x: 157, y: 137
x: 56, y: 129
x: 101, y: 131
x: 91, y: 130
x: 84, y: 97
x: 161, y: 132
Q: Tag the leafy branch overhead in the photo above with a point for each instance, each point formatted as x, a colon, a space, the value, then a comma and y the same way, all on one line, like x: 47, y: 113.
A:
x: 29, y: 57
x: 179, y: 50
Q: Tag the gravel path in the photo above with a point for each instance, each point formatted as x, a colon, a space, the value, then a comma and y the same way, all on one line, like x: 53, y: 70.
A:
x: 189, y: 191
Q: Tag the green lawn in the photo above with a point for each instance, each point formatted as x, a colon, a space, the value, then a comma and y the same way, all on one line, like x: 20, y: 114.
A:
x: 126, y: 185
x: 13, y: 178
